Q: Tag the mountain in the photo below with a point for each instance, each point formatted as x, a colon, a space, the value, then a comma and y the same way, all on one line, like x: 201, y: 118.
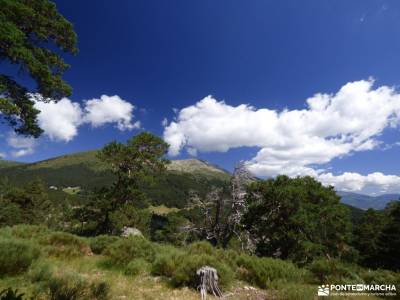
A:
x: 9, y: 163
x: 85, y: 170
x: 365, y: 201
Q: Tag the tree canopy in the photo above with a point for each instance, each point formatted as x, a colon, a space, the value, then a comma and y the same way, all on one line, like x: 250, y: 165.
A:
x: 134, y: 165
x: 297, y: 218
x: 31, y: 34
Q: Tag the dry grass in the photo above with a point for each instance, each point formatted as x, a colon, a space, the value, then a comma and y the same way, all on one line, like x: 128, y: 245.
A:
x: 147, y: 287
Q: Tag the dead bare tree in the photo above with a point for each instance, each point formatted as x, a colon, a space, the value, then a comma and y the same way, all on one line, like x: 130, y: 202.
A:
x: 241, y: 178
x: 221, y: 214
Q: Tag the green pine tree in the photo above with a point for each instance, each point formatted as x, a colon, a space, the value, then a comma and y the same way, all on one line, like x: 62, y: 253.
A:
x: 29, y: 30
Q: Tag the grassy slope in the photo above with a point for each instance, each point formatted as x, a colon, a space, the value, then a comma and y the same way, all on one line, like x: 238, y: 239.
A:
x: 144, y: 286
x: 83, y: 169
x: 9, y: 163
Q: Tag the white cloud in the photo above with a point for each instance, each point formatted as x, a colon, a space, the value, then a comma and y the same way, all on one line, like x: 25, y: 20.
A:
x: 292, y: 142
x: 110, y: 109
x: 61, y: 120
x: 374, y: 183
x: 21, y: 145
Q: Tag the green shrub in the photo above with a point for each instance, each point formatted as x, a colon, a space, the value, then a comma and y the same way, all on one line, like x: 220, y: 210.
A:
x: 67, y: 286
x: 295, y: 291
x: 201, y: 247
x: 99, y: 243
x: 380, y: 277
x: 100, y: 290
x: 185, y: 273
x: 136, y: 267
x: 333, y: 270
x: 41, y: 272
x: 166, y: 261
x: 125, y: 250
x: 25, y: 231
x: 16, y: 256
x: 263, y: 271
x: 5, y: 232
x: 62, y: 244
x: 10, y: 294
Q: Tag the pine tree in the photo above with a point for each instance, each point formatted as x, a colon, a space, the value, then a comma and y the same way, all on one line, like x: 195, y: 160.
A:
x: 30, y: 30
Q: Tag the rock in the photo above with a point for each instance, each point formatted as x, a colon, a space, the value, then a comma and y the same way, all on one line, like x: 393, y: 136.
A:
x: 131, y: 231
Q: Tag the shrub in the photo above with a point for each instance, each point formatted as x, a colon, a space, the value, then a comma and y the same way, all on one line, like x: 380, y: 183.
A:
x: 136, y: 267
x: 41, y: 272
x: 185, y: 273
x: 10, y: 294
x: 333, y: 270
x: 67, y: 286
x: 62, y: 244
x: 5, y: 232
x: 263, y: 271
x: 201, y: 247
x: 295, y: 291
x: 167, y: 261
x: 100, y: 290
x: 99, y: 243
x: 25, y: 231
x: 380, y: 277
x: 16, y: 256
x: 125, y: 250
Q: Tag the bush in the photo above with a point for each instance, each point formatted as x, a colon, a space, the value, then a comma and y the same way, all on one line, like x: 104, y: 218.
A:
x: 167, y: 261
x: 136, y: 267
x: 296, y: 291
x: 100, y: 290
x: 99, y: 243
x: 125, y: 250
x: 16, y: 256
x: 263, y: 271
x: 41, y: 272
x: 333, y: 270
x: 67, y: 286
x: 185, y: 274
x: 25, y: 231
x: 10, y: 294
x: 380, y: 277
x: 63, y: 244
x: 202, y: 247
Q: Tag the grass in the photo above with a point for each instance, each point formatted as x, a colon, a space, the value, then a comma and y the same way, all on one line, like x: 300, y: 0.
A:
x: 72, y: 190
x: 134, y: 268
x: 162, y: 210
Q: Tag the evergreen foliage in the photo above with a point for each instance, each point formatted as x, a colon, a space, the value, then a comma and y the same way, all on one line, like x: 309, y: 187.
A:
x: 298, y: 219
x: 27, y: 29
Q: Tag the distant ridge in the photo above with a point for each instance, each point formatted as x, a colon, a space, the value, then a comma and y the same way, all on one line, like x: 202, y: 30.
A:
x: 9, y: 163
x: 365, y: 201
x: 86, y: 171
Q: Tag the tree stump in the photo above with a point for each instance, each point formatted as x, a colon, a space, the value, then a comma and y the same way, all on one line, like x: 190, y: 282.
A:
x: 208, y: 282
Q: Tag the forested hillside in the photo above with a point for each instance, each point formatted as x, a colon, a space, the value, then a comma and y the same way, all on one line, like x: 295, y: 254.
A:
x: 86, y: 171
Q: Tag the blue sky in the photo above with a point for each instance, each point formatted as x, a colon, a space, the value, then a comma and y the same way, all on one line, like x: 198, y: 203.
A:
x: 165, y: 56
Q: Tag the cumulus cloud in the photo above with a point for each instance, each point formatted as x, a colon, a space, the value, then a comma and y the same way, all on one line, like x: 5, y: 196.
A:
x: 110, y: 110
x: 293, y: 142
x: 21, y: 145
x: 61, y: 120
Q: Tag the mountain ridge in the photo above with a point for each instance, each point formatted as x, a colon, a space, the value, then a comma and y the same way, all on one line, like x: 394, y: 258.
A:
x: 85, y: 169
